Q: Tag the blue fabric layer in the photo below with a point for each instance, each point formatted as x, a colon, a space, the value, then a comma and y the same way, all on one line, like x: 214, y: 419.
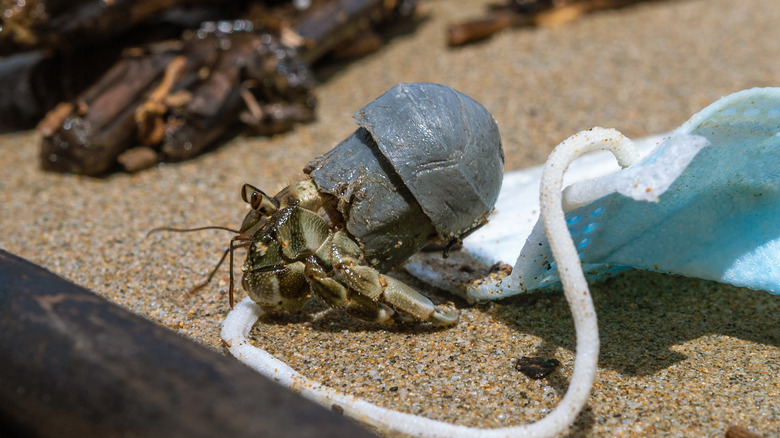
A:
x: 705, y: 203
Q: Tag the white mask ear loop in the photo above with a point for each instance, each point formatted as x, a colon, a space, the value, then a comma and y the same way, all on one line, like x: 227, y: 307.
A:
x: 239, y: 321
x: 575, y: 287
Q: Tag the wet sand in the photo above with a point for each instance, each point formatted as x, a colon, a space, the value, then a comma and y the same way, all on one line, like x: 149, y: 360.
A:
x: 679, y: 356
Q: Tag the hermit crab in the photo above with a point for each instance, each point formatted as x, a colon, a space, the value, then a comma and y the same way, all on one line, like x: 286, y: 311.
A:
x: 424, y: 166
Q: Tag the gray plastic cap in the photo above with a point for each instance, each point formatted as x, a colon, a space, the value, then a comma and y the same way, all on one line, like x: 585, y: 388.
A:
x: 446, y: 148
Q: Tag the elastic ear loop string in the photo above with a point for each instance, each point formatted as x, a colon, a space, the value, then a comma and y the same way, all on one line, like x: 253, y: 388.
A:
x: 239, y: 322
x: 575, y: 287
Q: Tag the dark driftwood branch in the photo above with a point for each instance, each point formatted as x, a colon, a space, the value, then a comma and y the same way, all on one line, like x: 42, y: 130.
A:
x: 69, y: 24
x: 520, y: 13
x: 75, y: 365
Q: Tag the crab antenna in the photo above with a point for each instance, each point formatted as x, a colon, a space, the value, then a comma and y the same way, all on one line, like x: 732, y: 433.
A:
x: 243, y: 239
x: 188, y: 230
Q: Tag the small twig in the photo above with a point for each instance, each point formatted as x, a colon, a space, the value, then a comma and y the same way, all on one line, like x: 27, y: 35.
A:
x: 535, y: 13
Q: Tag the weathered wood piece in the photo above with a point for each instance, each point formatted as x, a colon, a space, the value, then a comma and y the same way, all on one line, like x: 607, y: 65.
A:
x: 521, y: 13
x: 75, y: 365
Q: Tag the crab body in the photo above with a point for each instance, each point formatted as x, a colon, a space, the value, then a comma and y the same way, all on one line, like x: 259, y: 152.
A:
x: 298, y: 253
x: 425, y: 166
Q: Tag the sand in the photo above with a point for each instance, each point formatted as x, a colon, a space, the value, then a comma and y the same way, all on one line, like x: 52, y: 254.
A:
x: 679, y: 357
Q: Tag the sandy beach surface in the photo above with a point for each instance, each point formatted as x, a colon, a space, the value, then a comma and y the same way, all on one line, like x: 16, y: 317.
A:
x: 679, y: 357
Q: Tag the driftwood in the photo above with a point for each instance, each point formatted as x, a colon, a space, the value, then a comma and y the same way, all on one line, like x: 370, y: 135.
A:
x: 68, y: 24
x: 523, y: 13
x: 179, y: 96
x: 76, y: 365
x: 168, y: 101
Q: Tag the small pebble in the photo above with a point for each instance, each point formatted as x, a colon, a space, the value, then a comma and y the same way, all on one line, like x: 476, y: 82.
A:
x: 536, y: 367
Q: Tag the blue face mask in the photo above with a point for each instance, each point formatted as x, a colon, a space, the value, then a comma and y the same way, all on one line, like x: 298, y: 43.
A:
x: 704, y: 203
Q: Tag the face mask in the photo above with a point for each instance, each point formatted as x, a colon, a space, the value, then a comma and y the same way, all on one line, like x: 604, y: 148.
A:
x: 704, y: 203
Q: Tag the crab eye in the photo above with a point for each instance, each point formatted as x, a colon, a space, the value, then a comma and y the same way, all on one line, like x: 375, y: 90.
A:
x: 256, y: 201
x: 247, y: 192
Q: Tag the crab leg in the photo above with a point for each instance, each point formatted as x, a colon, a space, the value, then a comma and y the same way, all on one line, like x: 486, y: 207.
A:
x: 362, y: 291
